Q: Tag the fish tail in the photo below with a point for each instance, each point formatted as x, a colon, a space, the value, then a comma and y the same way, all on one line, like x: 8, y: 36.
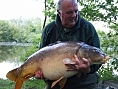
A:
x: 13, y: 75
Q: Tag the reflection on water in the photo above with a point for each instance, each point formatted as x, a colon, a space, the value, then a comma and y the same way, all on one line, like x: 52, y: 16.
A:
x: 7, y: 66
x: 10, y: 58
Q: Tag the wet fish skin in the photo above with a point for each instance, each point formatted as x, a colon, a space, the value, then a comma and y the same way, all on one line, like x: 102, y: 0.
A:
x: 51, y: 61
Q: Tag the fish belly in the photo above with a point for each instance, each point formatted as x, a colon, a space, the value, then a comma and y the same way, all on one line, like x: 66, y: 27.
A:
x: 55, y: 68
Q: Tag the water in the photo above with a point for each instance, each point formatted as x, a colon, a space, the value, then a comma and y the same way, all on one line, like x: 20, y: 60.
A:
x: 7, y: 66
x: 10, y: 57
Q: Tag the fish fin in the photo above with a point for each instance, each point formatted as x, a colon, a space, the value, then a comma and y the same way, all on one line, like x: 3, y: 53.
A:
x: 62, y: 82
x: 68, y: 61
x: 18, y: 84
x: 55, y: 82
x: 12, y: 75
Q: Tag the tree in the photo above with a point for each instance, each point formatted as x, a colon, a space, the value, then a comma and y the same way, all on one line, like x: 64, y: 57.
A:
x: 7, y: 32
x: 19, y: 31
x: 28, y: 29
x: 49, y: 11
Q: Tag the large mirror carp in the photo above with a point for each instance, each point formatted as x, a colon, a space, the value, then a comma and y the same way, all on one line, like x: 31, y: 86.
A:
x: 51, y: 61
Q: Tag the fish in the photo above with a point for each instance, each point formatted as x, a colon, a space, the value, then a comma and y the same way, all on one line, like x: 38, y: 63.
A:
x: 51, y: 60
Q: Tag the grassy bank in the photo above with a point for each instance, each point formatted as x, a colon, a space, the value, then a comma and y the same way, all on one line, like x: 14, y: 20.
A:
x: 29, y: 84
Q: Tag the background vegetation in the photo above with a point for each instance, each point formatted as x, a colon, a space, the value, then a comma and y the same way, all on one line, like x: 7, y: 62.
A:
x: 29, y: 31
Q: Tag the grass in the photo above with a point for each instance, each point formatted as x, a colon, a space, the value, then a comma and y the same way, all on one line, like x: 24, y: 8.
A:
x: 29, y: 84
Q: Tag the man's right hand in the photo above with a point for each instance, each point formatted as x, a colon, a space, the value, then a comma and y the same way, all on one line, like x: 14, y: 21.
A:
x: 39, y: 75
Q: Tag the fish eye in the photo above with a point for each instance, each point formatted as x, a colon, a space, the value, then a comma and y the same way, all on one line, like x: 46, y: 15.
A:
x: 94, y: 50
x: 98, y: 50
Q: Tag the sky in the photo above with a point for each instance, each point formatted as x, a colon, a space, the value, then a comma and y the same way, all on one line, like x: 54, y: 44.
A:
x: 13, y: 9
x: 21, y: 8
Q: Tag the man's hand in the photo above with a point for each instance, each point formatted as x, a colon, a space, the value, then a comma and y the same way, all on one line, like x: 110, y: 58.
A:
x: 81, y: 66
x: 39, y: 75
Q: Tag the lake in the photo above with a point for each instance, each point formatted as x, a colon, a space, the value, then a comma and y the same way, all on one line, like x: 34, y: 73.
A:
x: 7, y: 66
x: 11, y: 56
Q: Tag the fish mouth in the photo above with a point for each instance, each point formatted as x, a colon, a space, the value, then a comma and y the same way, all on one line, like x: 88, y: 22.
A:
x: 106, y: 58
x: 25, y: 78
x: 28, y: 76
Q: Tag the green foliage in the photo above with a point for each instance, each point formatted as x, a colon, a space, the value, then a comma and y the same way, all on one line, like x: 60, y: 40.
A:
x: 99, y: 10
x: 29, y: 29
x: 105, y: 73
x: 50, y: 9
x: 6, y: 84
x: 33, y: 48
x: 110, y: 46
x: 34, y: 84
x: 8, y: 32
x: 29, y: 84
x: 19, y: 31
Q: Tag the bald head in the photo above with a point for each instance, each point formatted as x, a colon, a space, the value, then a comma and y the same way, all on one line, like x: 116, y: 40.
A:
x: 60, y: 2
x: 68, y: 12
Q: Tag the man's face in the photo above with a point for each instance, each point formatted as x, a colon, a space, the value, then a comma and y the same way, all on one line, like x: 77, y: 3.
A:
x: 69, y: 13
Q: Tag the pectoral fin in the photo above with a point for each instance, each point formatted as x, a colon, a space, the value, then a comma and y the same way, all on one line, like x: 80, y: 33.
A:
x: 61, y: 82
x: 68, y: 61
x: 55, y: 82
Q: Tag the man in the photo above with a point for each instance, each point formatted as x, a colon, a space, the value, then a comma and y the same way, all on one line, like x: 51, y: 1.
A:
x: 69, y: 26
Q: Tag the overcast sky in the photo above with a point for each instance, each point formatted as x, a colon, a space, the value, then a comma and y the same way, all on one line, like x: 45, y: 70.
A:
x: 20, y: 8
x: 10, y: 9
